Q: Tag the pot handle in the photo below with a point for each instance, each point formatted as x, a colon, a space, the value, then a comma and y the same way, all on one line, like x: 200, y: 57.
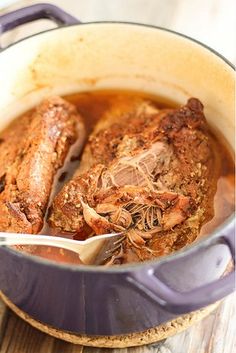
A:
x: 28, y: 14
x: 184, y: 302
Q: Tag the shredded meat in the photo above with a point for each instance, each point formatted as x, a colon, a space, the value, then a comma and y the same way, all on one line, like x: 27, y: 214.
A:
x: 146, y: 173
x: 31, y: 151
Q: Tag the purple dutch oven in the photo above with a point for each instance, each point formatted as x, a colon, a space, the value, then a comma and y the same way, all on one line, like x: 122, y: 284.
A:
x: 76, y: 57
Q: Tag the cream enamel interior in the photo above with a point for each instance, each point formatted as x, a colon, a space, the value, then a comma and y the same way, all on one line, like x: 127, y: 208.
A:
x: 115, y: 55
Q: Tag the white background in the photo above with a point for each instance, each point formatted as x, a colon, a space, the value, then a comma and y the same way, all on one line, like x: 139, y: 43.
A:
x: 213, y: 22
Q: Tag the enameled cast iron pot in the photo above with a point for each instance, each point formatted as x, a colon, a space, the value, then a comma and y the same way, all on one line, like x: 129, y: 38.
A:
x: 82, y: 57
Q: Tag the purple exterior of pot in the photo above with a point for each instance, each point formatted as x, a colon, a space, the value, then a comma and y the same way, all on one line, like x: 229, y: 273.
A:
x: 99, y: 301
x: 35, y: 12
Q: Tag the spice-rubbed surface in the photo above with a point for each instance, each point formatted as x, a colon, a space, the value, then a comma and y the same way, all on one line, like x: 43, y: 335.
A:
x: 32, y: 149
x: 148, y: 168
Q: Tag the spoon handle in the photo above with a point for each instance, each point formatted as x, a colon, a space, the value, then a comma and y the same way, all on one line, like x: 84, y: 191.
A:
x: 88, y: 249
x: 8, y: 239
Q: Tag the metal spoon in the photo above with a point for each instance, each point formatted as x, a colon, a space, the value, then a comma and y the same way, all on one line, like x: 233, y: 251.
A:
x: 94, y: 250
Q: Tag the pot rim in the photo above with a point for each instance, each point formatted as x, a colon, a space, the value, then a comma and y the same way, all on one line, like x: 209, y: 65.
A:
x: 205, y: 46
x: 202, y: 242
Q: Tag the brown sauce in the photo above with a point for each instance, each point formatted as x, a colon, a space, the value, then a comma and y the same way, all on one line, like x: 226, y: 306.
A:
x: 224, y: 199
x: 92, y: 105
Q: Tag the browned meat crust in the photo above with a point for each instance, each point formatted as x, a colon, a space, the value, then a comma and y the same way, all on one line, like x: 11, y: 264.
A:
x: 149, y: 173
x: 31, y: 151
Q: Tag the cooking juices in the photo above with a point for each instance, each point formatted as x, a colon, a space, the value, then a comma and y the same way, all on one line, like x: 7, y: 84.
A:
x: 94, y: 105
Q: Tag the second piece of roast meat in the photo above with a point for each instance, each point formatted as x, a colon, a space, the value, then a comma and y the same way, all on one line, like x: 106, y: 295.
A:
x: 32, y: 149
x: 149, y: 173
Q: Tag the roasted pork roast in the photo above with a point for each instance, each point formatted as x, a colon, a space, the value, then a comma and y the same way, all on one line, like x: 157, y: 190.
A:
x: 146, y: 172
x: 32, y: 149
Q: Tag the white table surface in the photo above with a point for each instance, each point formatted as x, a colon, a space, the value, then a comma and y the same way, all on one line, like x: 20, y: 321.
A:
x: 212, y: 22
